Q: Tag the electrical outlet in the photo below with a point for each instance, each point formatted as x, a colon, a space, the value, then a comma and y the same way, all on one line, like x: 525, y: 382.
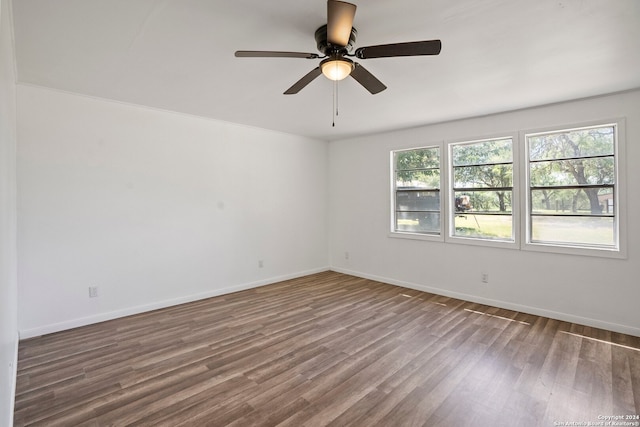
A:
x: 484, y: 277
x: 260, y: 264
x: 93, y: 291
x: 346, y: 255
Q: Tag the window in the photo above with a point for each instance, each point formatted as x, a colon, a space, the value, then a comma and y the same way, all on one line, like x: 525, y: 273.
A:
x: 416, y: 191
x: 549, y: 190
x: 573, y: 199
x: 482, y: 190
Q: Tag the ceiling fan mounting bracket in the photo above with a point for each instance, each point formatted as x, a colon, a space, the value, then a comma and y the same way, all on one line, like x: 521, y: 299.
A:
x: 327, y: 48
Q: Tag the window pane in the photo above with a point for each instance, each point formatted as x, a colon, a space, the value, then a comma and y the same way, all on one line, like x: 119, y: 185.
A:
x: 483, y: 201
x: 597, y: 141
x: 487, y: 176
x: 422, y: 158
x: 481, y: 153
x: 417, y: 190
x: 418, y: 222
x: 493, y: 227
x: 482, y: 189
x: 418, y: 200
x: 573, y: 172
x: 422, y: 178
x: 573, y: 230
x: 585, y: 201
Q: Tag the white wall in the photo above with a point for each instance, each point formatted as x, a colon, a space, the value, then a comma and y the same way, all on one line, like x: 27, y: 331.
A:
x: 155, y: 208
x: 593, y: 291
x: 8, y: 282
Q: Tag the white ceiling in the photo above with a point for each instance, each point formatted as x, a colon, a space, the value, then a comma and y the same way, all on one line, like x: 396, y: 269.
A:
x: 178, y: 55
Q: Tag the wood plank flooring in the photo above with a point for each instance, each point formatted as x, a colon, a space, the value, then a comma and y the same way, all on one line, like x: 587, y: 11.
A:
x: 328, y: 350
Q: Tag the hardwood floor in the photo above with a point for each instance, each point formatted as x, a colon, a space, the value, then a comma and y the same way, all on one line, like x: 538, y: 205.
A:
x: 328, y: 349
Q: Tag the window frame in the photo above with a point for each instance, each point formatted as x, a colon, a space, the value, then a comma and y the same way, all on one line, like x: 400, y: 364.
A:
x: 514, y: 243
x: 619, y: 250
x: 411, y: 234
x: 521, y: 191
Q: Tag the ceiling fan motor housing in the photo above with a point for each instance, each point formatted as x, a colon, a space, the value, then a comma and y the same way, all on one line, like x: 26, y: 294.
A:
x: 327, y: 48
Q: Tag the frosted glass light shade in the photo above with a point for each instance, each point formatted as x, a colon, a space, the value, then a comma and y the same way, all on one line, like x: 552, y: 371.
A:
x: 336, y: 69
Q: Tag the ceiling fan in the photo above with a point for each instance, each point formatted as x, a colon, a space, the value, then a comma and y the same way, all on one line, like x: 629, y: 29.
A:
x: 335, y: 40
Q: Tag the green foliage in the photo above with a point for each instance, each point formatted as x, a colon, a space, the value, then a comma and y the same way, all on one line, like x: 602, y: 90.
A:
x: 422, y: 179
x: 422, y: 158
x: 570, y: 201
x: 483, y: 152
x: 597, y: 171
x: 571, y: 144
x: 485, y: 165
x: 488, y: 201
x: 573, y: 158
x: 418, y: 168
x: 570, y: 172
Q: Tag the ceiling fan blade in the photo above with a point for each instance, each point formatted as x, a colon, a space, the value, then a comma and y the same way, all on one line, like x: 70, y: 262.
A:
x: 340, y: 16
x: 300, y: 84
x: 274, y: 54
x: 366, y: 79
x: 427, y: 47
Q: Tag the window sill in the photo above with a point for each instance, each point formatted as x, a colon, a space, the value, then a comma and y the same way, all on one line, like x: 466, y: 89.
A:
x: 416, y: 236
x: 576, y: 250
x: 471, y: 241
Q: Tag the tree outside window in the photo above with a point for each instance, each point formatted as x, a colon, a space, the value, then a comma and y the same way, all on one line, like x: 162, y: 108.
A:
x: 572, y: 178
x: 482, y: 186
x: 417, y: 191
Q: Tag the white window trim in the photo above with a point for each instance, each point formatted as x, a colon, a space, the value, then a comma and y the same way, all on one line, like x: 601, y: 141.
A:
x: 620, y: 195
x: 520, y: 196
x: 392, y: 199
x: 515, y: 203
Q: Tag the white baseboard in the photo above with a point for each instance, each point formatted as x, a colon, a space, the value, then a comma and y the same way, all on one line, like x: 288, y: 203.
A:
x: 596, y: 323
x: 74, y: 323
x: 101, y: 317
x: 14, y: 378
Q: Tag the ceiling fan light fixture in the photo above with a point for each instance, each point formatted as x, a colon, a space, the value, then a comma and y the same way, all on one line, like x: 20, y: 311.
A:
x: 336, y: 68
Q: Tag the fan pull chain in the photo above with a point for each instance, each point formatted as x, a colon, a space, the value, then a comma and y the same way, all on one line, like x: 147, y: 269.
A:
x: 335, y: 102
x: 336, y: 98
